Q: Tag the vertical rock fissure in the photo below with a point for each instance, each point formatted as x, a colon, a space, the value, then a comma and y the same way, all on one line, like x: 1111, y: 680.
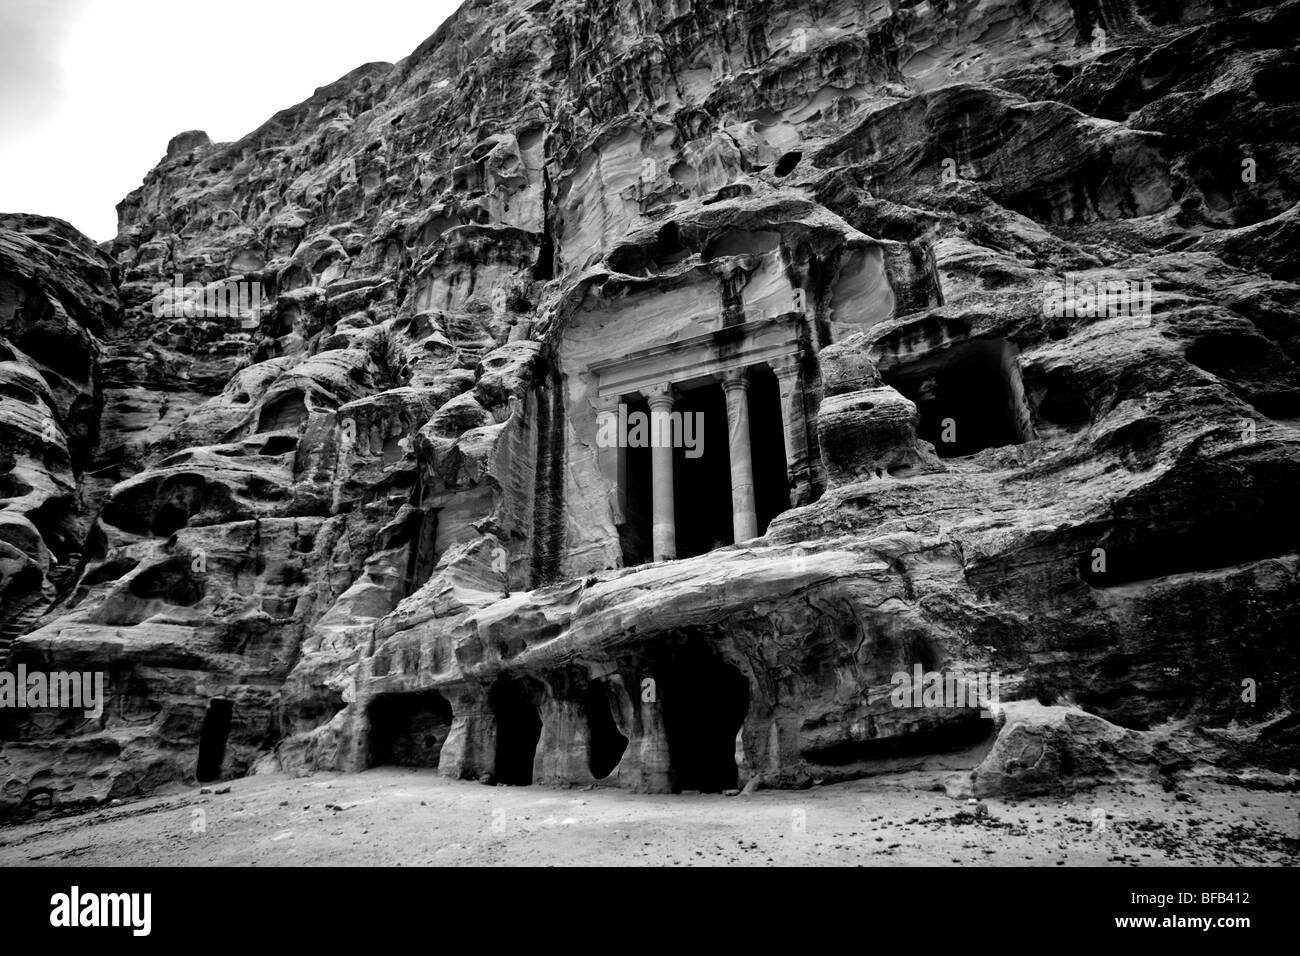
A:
x: 548, y: 488
x: 544, y: 269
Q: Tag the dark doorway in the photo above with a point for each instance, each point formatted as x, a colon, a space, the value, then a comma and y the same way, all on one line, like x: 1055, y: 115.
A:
x: 408, y: 730
x: 212, y: 739
x: 767, y: 446
x: 518, y: 729
x: 704, y: 705
x: 606, y: 743
x: 634, y: 533
x: 702, y: 485
x: 970, y: 397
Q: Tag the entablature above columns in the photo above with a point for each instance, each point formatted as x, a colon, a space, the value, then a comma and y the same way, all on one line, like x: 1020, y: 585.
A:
x: 701, y: 358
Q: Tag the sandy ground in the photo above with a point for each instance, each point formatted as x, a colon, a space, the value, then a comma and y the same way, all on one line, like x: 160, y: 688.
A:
x: 399, y: 817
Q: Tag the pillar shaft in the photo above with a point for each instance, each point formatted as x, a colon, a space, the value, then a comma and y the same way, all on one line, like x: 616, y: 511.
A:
x: 611, y: 456
x: 664, y: 531
x: 744, y: 514
x: 797, y: 454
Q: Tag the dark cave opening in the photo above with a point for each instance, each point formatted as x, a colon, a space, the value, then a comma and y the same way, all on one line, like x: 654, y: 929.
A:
x: 278, y: 445
x: 408, y: 730
x: 169, y: 519
x: 1062, y: 409
x: 60, y: 352
x: 668, y: 248
x: 1230, y: 200
x: 1203, y: 543
x: 704, y: 704
x: 786, y: 164
x: 172, y: 581
x: 212, y: 739
x: 519, y: 728
x: 1253, y: 367
x: 52, y: 520
x: 702, y: 485
x: 286, y: 413
x: 1229, y: 512
x: 947, y: 737
x: 174, y: 514
x: 12, y: 487
x: 970, y: 397
x: 606, y: 744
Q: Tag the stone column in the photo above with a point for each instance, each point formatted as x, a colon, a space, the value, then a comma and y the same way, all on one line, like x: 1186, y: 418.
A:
x: 793, y: 422
x: 744, y: 515
x: 612, y: 458
x: 661, y: 462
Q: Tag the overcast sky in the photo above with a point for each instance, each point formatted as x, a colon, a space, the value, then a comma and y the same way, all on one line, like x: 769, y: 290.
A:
x: 92, y: 90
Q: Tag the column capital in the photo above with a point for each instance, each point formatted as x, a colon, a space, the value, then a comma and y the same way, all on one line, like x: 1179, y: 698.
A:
x: 785, y: 364
x: 661, y: 395
x: 734, y: 378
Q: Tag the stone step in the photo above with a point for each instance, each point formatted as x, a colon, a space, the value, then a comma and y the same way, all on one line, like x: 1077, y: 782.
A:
x: 467, y: 335
x: 23, y: 622
x: 61, y: 572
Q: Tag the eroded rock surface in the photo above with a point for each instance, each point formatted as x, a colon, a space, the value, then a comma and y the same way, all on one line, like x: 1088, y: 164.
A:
x: 364, y: 514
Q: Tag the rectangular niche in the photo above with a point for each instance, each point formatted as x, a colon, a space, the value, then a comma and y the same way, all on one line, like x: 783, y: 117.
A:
x: 970, y: 396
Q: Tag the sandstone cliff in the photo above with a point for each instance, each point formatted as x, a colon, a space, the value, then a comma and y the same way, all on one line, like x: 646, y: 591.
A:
x: 371, y: 521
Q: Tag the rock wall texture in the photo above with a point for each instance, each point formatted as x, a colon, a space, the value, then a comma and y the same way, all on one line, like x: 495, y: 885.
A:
x: 360, y: 515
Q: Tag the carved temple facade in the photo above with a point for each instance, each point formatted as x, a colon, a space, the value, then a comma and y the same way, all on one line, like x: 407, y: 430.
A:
x: 747, y: 386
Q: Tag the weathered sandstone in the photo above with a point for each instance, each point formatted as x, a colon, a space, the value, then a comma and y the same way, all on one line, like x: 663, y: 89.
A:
x: 372, y: 522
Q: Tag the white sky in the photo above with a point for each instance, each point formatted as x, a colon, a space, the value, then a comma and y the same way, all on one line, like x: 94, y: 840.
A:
x: 92, y: 90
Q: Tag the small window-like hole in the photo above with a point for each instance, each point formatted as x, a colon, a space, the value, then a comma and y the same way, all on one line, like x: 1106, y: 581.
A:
x: 786, y: 164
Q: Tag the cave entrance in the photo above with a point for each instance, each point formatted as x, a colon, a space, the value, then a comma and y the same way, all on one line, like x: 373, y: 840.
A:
x: 408, y: 730
x: 606, y: 743
x: 212, y: 739
x: 704, y: 705
x: 702, y: 484
x: 966, y: 732
x: 288, y: 412
x: 519, y: 728
x: 168, y: 520
x: 970, y: 397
